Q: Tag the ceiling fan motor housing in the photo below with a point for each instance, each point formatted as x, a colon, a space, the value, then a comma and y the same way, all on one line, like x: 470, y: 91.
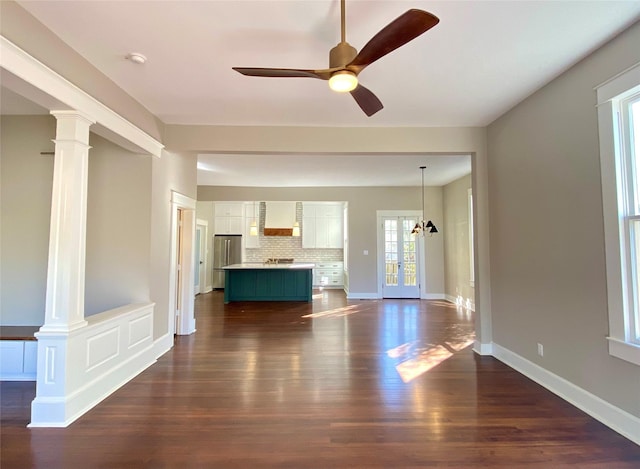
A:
x: 341, y: 55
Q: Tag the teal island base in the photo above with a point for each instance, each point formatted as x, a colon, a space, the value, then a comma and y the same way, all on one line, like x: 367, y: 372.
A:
x: 255, y: 282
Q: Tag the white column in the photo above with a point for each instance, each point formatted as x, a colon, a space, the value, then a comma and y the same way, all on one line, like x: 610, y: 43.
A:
x: 64, y: 309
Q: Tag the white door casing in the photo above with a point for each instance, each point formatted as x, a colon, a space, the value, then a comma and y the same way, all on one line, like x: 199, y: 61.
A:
x: 201, y: 258
x: 181, y: 288
x: 400, y: 255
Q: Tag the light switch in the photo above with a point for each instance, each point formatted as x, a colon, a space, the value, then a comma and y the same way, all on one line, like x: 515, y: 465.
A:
x: 365, y: 252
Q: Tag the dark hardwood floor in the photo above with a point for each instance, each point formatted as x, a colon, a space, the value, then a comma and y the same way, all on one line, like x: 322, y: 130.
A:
x: 333, y: 384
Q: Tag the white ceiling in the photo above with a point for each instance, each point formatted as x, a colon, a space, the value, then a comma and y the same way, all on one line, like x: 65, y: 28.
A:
x: 479, y: 61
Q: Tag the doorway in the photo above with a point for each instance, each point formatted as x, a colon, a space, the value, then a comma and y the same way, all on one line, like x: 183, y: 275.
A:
x: 399, y: 256
x: 181, y: 281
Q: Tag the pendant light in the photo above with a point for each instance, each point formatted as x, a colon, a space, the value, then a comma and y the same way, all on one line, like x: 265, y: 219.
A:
x: 253, y: 228
x: 422, y: 226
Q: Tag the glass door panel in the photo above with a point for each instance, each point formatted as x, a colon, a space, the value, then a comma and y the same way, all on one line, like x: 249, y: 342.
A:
x: 400, y: 257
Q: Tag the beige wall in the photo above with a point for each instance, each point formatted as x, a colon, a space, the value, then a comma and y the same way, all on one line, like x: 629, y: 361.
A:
x: 26, y: 178
x: 118, y: 227
x: 547, y: 244
x: 456, y: 240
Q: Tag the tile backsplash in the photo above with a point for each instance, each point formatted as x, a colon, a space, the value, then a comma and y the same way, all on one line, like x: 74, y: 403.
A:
x: 288, y: 246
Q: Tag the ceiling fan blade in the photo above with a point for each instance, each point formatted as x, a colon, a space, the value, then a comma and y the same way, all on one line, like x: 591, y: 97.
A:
x: 283, y: 72
x: 367, y: 101
x: 403, y: 29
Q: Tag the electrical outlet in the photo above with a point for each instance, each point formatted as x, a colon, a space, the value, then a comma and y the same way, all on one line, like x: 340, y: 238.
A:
x: 540, y: 350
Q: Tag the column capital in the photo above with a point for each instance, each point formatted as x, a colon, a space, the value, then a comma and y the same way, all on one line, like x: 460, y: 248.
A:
x: 73, y: 114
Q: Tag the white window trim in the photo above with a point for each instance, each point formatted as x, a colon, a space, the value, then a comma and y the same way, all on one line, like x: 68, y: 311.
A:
x: 609, y: 96
x: 472, y: 280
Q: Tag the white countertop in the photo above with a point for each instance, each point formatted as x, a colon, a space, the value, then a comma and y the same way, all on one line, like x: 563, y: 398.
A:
x: 260, y: 265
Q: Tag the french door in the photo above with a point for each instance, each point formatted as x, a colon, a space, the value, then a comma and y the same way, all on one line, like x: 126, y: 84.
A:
x: 400, y: 258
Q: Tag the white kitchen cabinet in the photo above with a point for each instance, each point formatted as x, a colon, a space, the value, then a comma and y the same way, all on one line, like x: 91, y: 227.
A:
x: 18, y: 360
x: 228, y: 225
x: 308, y: 232
x: 322, y: 225
x: 228, y: 209
x: 328, y: 274
x: 228, y: 218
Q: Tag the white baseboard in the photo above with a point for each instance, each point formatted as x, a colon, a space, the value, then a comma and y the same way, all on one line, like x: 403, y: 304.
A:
x: 162, y: 345
x: 433, y: 296
x: 617, y: 419
x: 483, y: 349
x: 17, y: 376
x: 362, y: 296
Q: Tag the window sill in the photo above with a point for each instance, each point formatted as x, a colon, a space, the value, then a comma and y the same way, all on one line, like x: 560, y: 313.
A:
x: 624, y: 350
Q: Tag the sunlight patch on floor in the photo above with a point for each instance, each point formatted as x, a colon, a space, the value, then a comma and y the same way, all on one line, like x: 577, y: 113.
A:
x: 423, y: 360
x: 333, y: 313
x: 414, y: 367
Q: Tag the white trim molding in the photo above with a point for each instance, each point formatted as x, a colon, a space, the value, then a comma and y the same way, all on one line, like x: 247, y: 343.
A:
x: 434, y: 296
x: 483, y: 349
x: 617, y: 419
x: 37, y: 74
x: 363, y: 296
x: 621, y: 314
x: 80, y: 368
x: 186, y: 323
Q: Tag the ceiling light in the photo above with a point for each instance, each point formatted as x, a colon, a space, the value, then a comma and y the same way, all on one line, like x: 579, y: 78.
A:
x: 137, y: 58
x: 343, y: 81
x: 253, y: 229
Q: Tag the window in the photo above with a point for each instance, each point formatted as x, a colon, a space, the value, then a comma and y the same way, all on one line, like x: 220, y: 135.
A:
x: 619, y: 131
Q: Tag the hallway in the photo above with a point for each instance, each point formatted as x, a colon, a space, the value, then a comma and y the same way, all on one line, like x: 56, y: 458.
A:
x: 330, y: 384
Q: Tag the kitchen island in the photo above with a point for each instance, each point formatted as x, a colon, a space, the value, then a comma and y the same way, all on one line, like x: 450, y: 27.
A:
x: 268, y: 282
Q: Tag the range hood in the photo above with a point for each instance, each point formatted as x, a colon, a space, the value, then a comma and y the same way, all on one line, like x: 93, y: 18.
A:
x: 279, y: 218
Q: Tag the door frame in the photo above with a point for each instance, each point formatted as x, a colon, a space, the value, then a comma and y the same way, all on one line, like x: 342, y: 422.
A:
x: 203, y: 227
x: 380, y: 214
x: 182, y: 321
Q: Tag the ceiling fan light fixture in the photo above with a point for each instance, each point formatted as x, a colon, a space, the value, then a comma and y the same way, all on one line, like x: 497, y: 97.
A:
x: 343, y: 81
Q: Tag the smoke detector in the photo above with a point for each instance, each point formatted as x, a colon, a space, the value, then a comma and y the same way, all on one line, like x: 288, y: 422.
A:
x: 137, y: 58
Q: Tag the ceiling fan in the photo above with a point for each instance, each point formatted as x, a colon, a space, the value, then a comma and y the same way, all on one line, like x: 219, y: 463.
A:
x: 346, y: 63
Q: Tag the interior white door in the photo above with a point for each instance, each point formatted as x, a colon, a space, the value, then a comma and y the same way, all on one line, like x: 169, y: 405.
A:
x: 197, y: 259
x: 400, y: 258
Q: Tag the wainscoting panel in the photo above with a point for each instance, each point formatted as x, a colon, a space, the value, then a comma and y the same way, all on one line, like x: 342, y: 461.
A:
x: 78, y: 369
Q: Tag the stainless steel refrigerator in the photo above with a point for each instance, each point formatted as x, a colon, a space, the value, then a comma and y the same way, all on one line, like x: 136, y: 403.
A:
x: 227, y: 250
